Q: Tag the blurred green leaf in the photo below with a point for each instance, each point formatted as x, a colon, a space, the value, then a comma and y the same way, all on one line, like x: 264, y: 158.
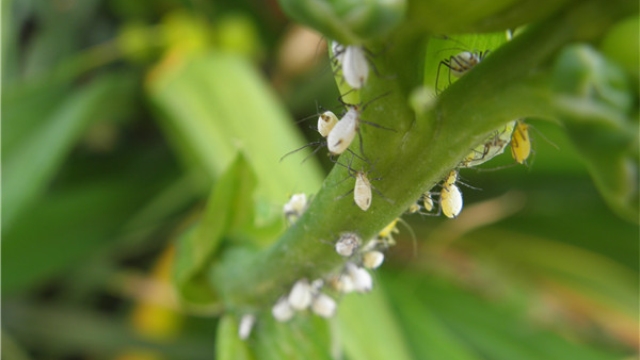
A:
x: 230, y: 205
x: 229, y: 346
x: 29, y: 166
x: 77, y: 219
x: 369, y: 329
x: 304, y: 337
x: 492, y: 330
x: 597, y: 103
x: 216, y: 104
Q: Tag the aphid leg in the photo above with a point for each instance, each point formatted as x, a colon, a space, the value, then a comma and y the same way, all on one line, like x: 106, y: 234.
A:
x: 319, y: 144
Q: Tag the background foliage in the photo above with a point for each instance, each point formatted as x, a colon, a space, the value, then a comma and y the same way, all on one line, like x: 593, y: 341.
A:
x: 123, y: 122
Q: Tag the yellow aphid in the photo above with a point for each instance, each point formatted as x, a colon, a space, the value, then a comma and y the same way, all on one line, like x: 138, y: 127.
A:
x: 451, y: 201
x: 450, y: 196
x: 388, y: 230
x: 520, y: 143
x: 427, y: 201
x: 413, y: 208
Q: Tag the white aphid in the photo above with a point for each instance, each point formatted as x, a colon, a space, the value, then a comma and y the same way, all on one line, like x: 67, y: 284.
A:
x: 491, y: 147
x: 338, y: 51
x: 295, y: 207
x: 344, y: 284
x: 450, y: 200
x: 343, y: 133
x: 362, y: 191
x: 282, y: 310
x: 326, y: 121
x: 246, y: 324
x: 372, y: 259
x: 355, y: 68
x: 300, y: 296
x: 348, y: 244
x: 463, y: 62
x: 362, y: 280
x: 323, y: 305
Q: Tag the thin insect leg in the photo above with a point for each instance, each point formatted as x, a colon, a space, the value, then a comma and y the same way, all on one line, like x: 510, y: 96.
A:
x: 376, y: 125
x: 319, y: 143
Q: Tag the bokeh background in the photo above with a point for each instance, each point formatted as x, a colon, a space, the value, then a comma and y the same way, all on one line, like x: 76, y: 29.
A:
x: 113, y: 113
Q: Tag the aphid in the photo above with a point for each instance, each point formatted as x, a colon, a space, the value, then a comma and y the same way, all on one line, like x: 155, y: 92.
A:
x: 461, y: 63
x: 413, y: 208
x: 282, y: 310
x: 355, y: 68
x: 450, y: 196
x: 362, y: 191
x: 372, y: 259
x: 427, y: 201
x: 337, y: 50
x: 348, y: 244
x: 323, y: 305
x: 361, y: 279
x: 326, y: 121
x: 343, y: 133
x: 386, y: 234
x: 493, y: 146
x: 246, y: 324
x: 295, y: 207
x: 520, y: 143
x: 300, y: 295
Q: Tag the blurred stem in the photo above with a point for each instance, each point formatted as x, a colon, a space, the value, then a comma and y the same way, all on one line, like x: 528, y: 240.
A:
x: 514, y: 82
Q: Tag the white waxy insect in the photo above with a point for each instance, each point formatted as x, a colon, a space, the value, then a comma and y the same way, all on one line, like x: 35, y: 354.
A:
x: 323, y: 305
x: 463, y: 62
x: 337, y: 50
x: 451, y: 200
x: 427, y: 201
x: 355, y: 68
x: 362, y: 191
x: 246, y: 325
x: 326, y: 121
x: 282, y: 310
x: 493, y: 146
x: 348, y: 244
x: 295, y: 207
x: 301, y: 295
x: 520, y: 143
x: 343, y: 133
x: 372, y: 259
x: 344, y: 284
x: 361, y: 279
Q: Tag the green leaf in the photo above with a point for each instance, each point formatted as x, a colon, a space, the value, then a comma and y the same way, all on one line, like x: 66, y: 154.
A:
x: 349, y: 22
x: 30, y: 165
x: 369, y: 329
x: 213, y: 105
x: 229, y: 346
x: 230, y: 205
x: 596, y: 101
x: 306, y: 336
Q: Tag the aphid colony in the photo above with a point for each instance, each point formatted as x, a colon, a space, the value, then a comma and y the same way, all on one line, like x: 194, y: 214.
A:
x: 318, y: 296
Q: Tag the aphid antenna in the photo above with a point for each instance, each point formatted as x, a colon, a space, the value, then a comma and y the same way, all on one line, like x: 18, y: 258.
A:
x: 554, y: 145
x: 319, y: 146
x: 460, y: 182
x: 414, y: 239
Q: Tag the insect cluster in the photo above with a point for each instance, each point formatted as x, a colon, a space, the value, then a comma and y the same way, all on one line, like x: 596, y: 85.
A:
x: 319, y: 296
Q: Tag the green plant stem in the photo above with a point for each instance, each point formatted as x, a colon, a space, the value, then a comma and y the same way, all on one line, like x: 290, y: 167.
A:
x: 514, y: 82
